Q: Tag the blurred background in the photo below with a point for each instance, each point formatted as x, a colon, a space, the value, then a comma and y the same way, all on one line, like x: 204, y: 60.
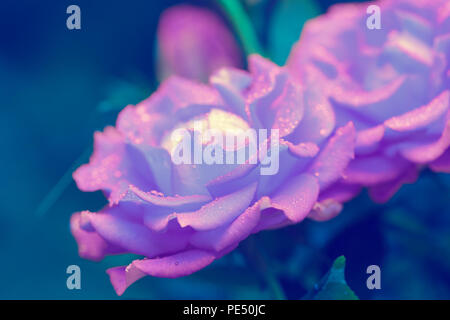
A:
x: 57, y: 86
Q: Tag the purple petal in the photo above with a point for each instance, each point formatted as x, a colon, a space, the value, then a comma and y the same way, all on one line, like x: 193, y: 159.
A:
x: 177, y: 265
x: 442, y: 164
x: 340, y: 192
x: 303, y: 150
x: 158, y: 199
x: 230, y: 83
x: 137, y: 238
x: 325, y: 210
x: 369, y: 137
x: 383, y: 192
x: 421, y: 117
x: 290, y: 164
x: 223, y: 237
x: 427, y: 152
x: 219, y: 211
x: 335, y: 156
x: 372, y: 170
x: 122, y: 277
x: 90, y: 244
x: 319, y: 119
x: 113, y: 166
x: 297, y: 197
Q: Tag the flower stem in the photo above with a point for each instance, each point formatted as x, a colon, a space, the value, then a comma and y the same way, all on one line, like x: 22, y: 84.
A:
x: 256, y: 259
x: 241, y: 22
x: 62, y: 184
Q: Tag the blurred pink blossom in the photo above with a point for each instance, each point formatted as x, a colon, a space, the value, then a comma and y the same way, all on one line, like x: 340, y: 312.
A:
x: 193, y: 42
x: 392, y: 83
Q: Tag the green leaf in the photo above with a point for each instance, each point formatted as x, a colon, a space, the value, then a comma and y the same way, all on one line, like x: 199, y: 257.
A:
x: 333, y: 286
x: 243, y: 26
x: 287, y: 24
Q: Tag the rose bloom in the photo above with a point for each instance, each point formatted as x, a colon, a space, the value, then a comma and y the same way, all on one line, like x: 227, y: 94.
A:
x: 392, y: 83
x: 182, y: 217
x: 193, y: 42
